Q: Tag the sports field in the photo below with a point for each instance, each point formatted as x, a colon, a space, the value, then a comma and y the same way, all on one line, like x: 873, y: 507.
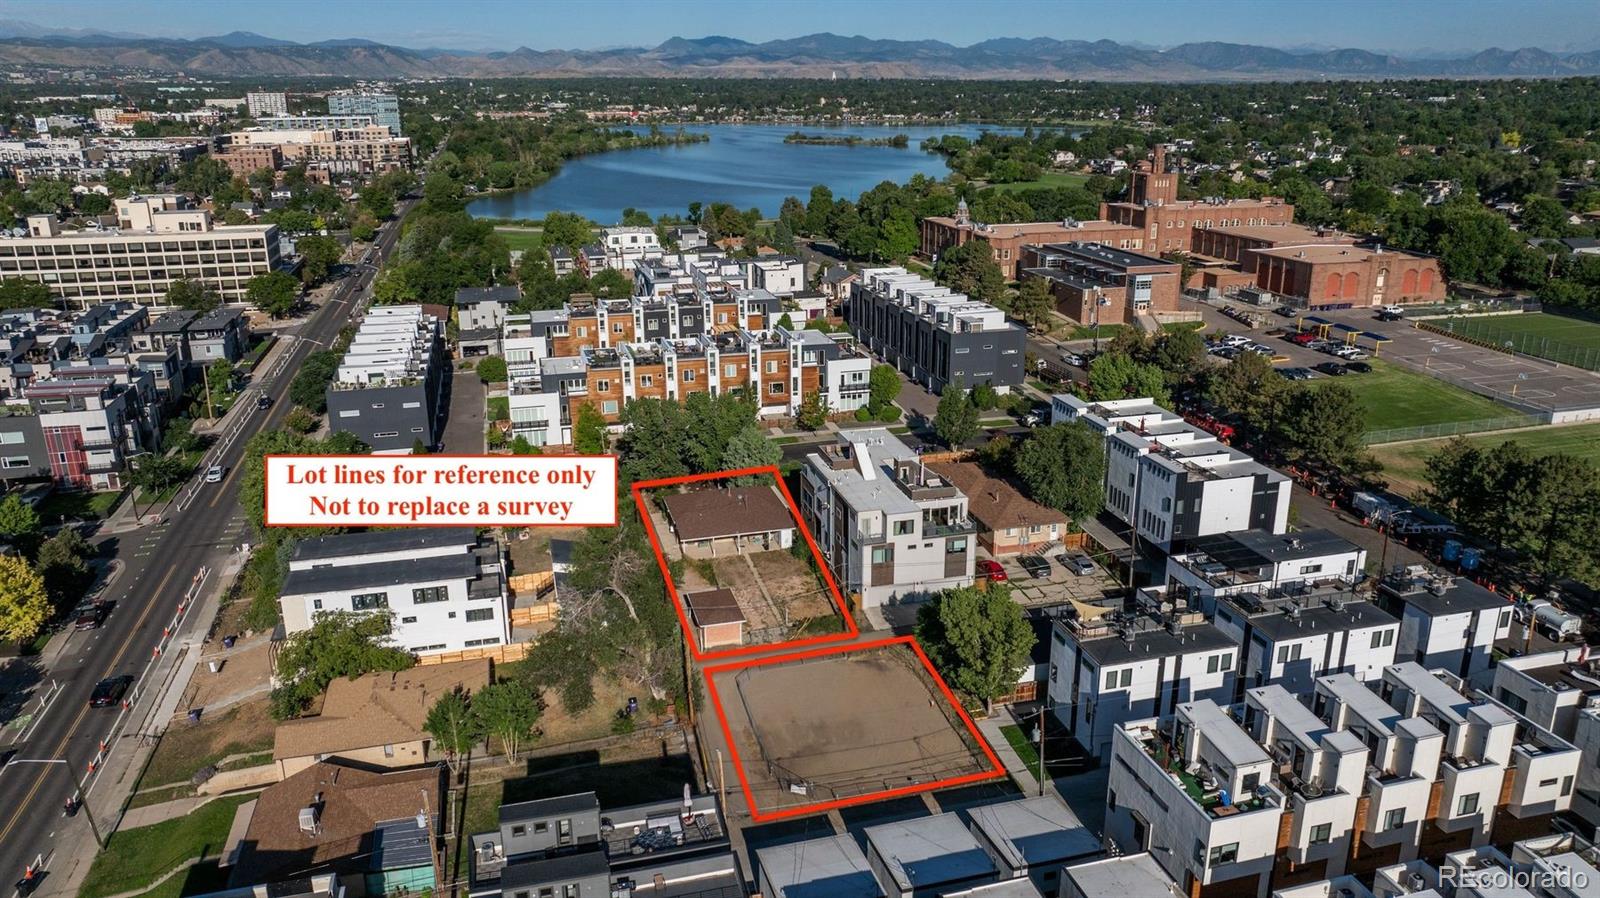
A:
x: 1404, y: 463
x: 1570, y: 341
x: 1395, y: 397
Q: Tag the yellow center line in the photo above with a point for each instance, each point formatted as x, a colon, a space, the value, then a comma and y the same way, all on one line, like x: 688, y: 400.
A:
x: 38, y: 779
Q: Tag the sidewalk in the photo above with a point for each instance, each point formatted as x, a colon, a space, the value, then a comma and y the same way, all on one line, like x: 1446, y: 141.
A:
x: 990, y: 728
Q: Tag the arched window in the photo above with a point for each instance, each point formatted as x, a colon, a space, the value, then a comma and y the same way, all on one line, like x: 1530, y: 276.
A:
x: 1408, y: 283
x: 1332, y: 290
x: 1427, y: 281
x: 1350, y: 286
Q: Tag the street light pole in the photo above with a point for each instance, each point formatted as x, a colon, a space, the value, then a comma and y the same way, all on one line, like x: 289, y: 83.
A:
x: 76, y: 784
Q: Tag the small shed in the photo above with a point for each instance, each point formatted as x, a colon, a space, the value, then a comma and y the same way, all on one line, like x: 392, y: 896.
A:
x: 717, y: 618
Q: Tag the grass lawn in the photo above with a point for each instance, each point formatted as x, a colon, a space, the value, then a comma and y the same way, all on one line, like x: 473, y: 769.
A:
x: 1045, y: 180
x: 1395, y: 397
x: 161, y: 795
x: 1403, y: 463
x: 499, y: 408
x: 243, y: 729
x: 1569, y: 340
x: 1020, y: 744
x: 1085, y: 332
x: 59, y: 505
x: 518, y: 238
x: 1183, y: 326
x: 135, y: 857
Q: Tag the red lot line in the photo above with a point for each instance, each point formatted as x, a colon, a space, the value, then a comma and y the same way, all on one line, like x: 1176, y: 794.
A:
x: 851, y: 631
x: 997, y: 769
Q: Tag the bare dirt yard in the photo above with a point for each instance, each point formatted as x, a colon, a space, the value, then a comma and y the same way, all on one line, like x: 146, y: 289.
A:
x: 842, y: 726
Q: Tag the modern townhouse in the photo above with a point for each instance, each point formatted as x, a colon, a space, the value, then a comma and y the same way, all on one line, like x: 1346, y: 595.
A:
x: 1196, y: 792
x: 445, y: 587
x: 1110, y: 667
x: 1445, y: 621
x: 926, y: 857
x: 1552, y: 689
x: 934, y: 336
x: 832, y: 865
x: 1257, y: 561
x: 704, y: 269
x: 1120, y: 877
x: 1172, y: 482
x: 1290, y: 639
x: 779, y: 275
x: 481, y: 314
x: 92, y: 420
x: 387, y: 388
x: 1031, y: 839
x: 158, y: 240
x: 891, y: 530
x: 626, y: 246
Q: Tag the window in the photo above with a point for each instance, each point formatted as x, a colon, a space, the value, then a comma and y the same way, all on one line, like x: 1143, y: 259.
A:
x: 904, y: 528
x: 1227, y: 661
x: 688, y: 377
x: 408, y: 620
x: 316, y: 604
x: 388, y: 751
x: 880, y: 555
x: 350, y: 413
x: 602, y: 386
x: 1224, y: 854
x: 1505, y: 618
x: 1566, y: 786
x: 425, y: 594
x: 369, y: 601
x: 955, y: 546
x: 776, y: 387
x: 1310, y: 568
x: 541, y: 827
x: 1382, y: 638
x: 647, y: 380
x: 1321, y: 833
x: 386, y: 433
x: 1467, y: 805
x: 609, y: 407
x: 1111, y: 679
x: 1211, y: 664
x: 518, y: 830
x: 480, y: 614
x: 1394, y: 819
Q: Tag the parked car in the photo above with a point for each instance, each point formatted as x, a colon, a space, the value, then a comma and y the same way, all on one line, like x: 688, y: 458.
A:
x: 90, y: 617
x: 1073, y: 358
x: 1287, y: 311
x: 1396, y: 311
x: 1350, y: 354
x: 214, y: 474
x: 1332, y: 369
x: 109, y: 691
x: 1235, y: 340
x: 1303, y: 338
x: 990, y: 570
x: 1386, y: 315
x: 1037, y: 566
x: 1295, y: 373
x: 1077, y: 562
x: 1358, y: 367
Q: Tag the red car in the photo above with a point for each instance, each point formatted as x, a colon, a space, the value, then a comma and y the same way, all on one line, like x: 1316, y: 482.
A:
x: 1303, y: 338
x: 991, y: 570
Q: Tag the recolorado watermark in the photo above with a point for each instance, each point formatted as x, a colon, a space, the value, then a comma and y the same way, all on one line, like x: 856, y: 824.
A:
x: 1558, y: 879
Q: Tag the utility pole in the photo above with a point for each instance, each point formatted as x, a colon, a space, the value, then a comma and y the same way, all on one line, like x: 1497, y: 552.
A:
x: 77, y: 784
x: 205, y: 376
x: 1042, y: 709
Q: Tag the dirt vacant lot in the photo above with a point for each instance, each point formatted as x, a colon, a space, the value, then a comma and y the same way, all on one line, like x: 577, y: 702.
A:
x: 842, y: 726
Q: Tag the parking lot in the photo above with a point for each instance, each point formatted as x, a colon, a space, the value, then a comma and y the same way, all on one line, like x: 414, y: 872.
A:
x: 1059, y: 587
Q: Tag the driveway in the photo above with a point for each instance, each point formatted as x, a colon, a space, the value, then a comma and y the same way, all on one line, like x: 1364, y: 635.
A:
x: 463, y: 431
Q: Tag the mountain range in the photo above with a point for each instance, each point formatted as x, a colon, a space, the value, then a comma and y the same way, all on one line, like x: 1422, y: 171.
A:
x: 245, y: 54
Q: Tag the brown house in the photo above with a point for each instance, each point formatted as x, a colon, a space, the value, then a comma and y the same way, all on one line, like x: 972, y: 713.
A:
x: 1009, y: 522
x: 335, y: 818
x: 376, y: 719
x: 716, y: 521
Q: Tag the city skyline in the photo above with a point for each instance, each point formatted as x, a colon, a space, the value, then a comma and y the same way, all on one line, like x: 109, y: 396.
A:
x: 1467, y: 25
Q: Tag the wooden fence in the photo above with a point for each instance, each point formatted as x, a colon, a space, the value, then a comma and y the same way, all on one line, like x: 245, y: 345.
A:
x: 499, y: 654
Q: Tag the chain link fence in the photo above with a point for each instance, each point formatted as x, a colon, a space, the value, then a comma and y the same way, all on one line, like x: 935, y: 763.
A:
x: 1490, y: 332
x: 1452, y: 428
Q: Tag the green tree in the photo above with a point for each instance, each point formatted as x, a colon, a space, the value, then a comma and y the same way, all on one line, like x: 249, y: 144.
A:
x: 956, y: 420
x: 318, y: 255
x: 24, y: 604
x: 567, y: 229
x: 492, y: 370
x: 1325, y: 426
x: 509, y: 712
x: 1115, y: 375
x: 978, y: 640
x: 193, y: 295
x: 300, y: 420
x: 813, y: 412
x: 818, y: 209
x: 883, y: 385
x: 310, y: 385
x: 1064, y: 466
x: 652, y: 439
x: 750, y: 448
x: 63, y: 565
x: 589, y: 434
x: 1181, y: 356
x: 1248, y: 386
x: 985, y: 397
x: 971, y: 269
x: 1033, y: 303
x: 274, y: 293
x: 454, y: 728
x: 19, y: 525
x: 337, y: 644
x: 21, y: 293
x: 153, y: 472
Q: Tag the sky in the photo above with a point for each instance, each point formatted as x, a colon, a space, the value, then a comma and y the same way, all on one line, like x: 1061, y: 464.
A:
x: 1412, y: 27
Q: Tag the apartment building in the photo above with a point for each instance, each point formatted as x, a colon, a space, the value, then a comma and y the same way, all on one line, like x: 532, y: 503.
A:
x: 941, y: 233
x: 891, y: 530
x: 362, y: 150
x: 629, y: 245
x: 1109, y: 667
x: 387, y: 391
x: 934, y: 336
x: 704, y: 270
x: 341, y: 122
x: 262, y: 104
x: 1445, y: 621
x: 1173, y: 482
x: 246, y: 159
x: 93, y: 419
x: 1550, y: 688
x: 159, y: 239
x: 1198, y: 794
x: 445, y: 587
x: 1094, y: 283
x: 384, y: 108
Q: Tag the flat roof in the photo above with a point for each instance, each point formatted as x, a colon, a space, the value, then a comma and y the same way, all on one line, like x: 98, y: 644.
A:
x: 927, y: 851
x: 1107, y: 255
x: 1155, y: 642
x: 375, y: 542
x: 1035, y: 831
x: 832, y: 867
x: 1312, y: 620
x: 1283, y: 233
x: 1133, y: 876
x: 1316, y: 253
x: 576, y: 803
x: 1455, y: 595
x: 334, y: 578
x: 1223, y: 734
x: 1256, y: 548
x: 537, y: 871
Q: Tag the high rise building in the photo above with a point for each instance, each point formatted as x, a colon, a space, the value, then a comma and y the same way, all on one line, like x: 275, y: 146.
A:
x: 384, y: 108
x: 261, y: 104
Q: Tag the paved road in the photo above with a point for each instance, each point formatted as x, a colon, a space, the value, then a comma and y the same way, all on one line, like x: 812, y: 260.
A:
x: 159, y: 564
x: 464, y: 408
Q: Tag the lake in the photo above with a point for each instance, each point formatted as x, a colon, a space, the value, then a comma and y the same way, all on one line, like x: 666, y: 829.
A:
x: 745, y: 165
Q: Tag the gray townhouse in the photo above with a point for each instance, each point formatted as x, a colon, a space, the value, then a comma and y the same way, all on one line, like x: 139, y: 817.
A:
x: 932, y: 335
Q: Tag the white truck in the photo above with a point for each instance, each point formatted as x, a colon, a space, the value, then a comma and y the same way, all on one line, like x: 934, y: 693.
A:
x: 1548, y: 616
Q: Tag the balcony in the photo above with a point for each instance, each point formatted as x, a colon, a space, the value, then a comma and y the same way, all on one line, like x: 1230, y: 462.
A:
x: 954, y: 529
